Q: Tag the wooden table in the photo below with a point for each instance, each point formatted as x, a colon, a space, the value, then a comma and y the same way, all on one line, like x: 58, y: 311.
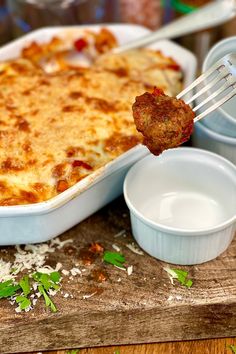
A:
x: 216, y: 346
x: 143, y: 307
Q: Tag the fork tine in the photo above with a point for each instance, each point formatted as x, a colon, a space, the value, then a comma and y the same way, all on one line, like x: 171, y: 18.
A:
x: 217, y: 66
x: 216, y: 105
x: 224, y: 87
x: 211, y: 84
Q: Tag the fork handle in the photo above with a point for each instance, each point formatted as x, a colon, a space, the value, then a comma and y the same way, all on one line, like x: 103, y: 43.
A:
x: 208, y: 16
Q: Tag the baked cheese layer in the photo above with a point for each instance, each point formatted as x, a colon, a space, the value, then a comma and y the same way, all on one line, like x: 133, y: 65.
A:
x: 57, y: 128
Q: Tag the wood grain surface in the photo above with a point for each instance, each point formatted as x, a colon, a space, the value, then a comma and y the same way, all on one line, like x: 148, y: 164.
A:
x: 213, y: 346
x: 141, y: 308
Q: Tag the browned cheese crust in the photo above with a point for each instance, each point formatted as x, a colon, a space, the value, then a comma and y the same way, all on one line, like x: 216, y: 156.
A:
x: 164, y: 121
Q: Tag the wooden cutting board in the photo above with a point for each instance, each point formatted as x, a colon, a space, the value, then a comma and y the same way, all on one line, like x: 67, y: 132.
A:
x: 143, y: 307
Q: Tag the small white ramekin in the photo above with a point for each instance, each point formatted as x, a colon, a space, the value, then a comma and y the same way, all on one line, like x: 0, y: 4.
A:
x: 223, y: 119
x: 182, y: 205
x: 206, y: 138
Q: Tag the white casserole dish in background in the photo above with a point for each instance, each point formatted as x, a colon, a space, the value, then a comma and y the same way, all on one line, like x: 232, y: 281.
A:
x: 182, y: 205
x: 42, y: 221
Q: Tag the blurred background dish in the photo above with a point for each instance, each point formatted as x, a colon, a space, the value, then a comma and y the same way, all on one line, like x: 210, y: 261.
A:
x: 27, y: 15
x: 223, y: 120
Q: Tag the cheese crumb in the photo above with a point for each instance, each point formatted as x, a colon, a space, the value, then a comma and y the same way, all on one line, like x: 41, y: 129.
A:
x: 88, y: 296
x: 119, y: 234
x: 134, y: 248
x: 75, y: 271
x: 130, y: 270
x: 116, y: 248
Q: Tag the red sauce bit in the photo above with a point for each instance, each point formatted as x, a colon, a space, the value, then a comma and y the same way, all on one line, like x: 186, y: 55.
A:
x: 30, y: 197
x: 74, y: 150
x: 75, y: 95
x: 12, y: 165
x: 120, y: 72
x: 39, y: 187
x: 101, y: 104
x: 158, y: 92
x: 99, y: 275
x: 80, y: 44
x: 59, y: 170
x: 96, y: 248
x: 3, y: 187
x: 69, y: 108
x: 23, y: 125
x: 70, y: 250
x: 79, y: 163
x: 12, y: 201
x: 174, y: 67
x: 118, y: 142
x: 62, y: 185
x: 87, y: 256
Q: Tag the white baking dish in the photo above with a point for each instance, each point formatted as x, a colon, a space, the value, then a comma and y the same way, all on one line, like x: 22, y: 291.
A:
x: 43, y: 221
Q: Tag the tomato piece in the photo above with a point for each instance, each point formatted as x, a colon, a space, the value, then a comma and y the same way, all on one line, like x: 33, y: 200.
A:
x: 80, y: 44
x: 79, y: 163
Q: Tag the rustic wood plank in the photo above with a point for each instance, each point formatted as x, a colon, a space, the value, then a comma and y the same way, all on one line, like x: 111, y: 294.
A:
x: 213, y: 346
x: 125, y: 309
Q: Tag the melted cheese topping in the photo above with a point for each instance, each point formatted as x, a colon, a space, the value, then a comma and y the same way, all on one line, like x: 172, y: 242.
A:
x: 57, y: 128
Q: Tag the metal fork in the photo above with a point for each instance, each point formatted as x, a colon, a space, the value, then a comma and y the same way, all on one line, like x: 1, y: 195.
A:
x: 207, y: 16
x: 218, y: 81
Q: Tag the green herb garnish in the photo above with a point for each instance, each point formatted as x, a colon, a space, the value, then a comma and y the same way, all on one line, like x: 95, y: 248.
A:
x: 47, y: 299
x: 8, y: 289
x: 23, y: 302
x: 73, y: 351
x: 47, y: 280
x: 233, y: 348
x: 180, y: 275
x: 25, y: 285
x: 45, y: 283
x: 114, y: 258
x: 55, y: 277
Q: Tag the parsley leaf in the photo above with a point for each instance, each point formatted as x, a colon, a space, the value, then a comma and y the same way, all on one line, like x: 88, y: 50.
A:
x: 25, y: 285
x: 233, y: 348
x: 46, y: 280
x: 7, y: 289
x: 55, y: 277
x: 47, y: 299
x: 114, y: 258
x: 45, y: 283
x: 5, y: 284
x: 23, y: 301
x: 180, y: 275
x: 73, y: 351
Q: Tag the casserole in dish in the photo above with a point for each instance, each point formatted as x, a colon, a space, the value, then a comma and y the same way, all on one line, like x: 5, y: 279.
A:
x: 100, y: 176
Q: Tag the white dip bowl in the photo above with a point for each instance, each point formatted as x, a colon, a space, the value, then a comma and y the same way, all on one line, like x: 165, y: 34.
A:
x: 182, y: 205
x: 223, y: 119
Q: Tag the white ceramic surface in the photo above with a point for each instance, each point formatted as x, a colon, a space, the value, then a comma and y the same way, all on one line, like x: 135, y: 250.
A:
x: 222, y: 120
x: 43, y: 221
x: 182, y: 205
x: 207, y: 139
